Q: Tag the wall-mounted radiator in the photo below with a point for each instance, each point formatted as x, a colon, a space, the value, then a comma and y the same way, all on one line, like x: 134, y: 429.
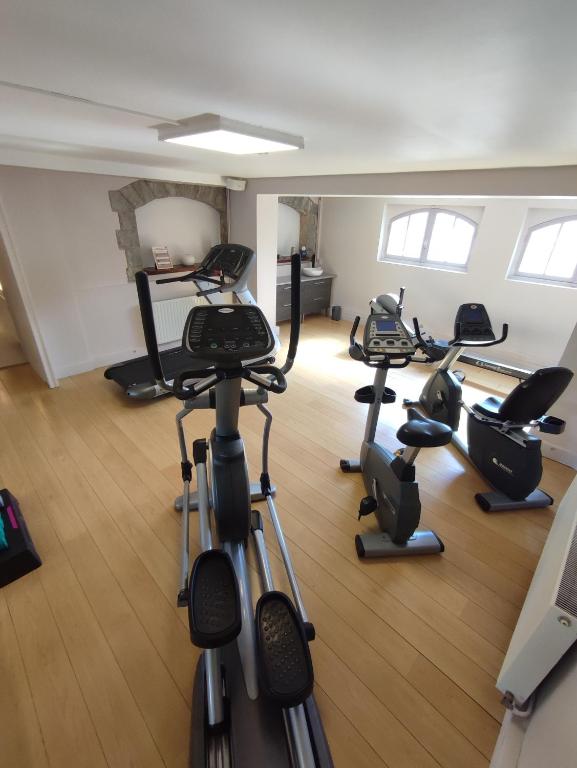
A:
x: 170, y: 316
x: 547, y: 626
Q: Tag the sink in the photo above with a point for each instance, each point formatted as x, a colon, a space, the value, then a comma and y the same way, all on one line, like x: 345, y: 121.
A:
x: 312, y: 271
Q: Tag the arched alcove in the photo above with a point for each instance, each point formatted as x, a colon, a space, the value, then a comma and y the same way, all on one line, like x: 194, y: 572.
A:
x: 183, y: 225
x: 128, y: 199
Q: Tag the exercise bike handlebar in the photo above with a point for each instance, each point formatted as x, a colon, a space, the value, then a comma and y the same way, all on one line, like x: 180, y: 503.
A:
x: 457, y: 341
x: 382, y: 359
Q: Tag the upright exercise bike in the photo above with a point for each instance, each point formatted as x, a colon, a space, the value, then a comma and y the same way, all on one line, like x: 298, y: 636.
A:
x: 253, y: 705
x: 499, y: 444
x: 389, y: 479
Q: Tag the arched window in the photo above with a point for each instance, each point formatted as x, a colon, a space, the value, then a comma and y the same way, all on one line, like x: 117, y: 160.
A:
x: 430, y: 237
x: 549, y: 252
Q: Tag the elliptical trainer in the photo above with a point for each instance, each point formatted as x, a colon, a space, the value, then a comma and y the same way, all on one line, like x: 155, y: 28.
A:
x: 253, y: 705
x: 498, y: 443
x: 389, y: 479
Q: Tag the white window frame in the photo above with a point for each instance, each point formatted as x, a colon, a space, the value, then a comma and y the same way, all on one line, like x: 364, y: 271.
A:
x: 422, y: 260
x: 515, y: 272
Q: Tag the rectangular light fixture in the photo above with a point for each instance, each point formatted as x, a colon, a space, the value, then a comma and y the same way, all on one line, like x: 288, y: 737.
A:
x: 220, y: 134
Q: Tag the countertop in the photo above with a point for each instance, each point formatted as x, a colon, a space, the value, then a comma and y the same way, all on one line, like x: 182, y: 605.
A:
x: 285, y: 279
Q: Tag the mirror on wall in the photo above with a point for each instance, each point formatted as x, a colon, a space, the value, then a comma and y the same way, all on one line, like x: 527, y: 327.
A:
x: 188, y: 228
x: 289, y: 223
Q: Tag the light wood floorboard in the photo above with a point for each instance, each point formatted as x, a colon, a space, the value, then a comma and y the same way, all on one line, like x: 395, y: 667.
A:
x: 97, y: 667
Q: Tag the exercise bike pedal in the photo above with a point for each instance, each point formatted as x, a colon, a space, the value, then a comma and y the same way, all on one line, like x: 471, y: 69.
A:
x: 367, y: 506
x: 284, y: 659
x: 214, y: 605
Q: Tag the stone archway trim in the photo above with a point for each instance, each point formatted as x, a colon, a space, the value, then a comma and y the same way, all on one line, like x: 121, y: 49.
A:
x: 126, y: 200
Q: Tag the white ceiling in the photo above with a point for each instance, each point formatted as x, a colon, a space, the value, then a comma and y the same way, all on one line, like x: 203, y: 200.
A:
x: 374, y: 86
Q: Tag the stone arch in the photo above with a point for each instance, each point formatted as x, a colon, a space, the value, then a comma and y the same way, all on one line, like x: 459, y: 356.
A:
x: 126, y: 200
x: 309, y: 213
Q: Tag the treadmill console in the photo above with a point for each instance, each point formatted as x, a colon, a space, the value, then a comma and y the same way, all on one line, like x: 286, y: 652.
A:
x: 227, y: 333
x: 473, y: 324
x: 227, y: 259
x: 386, y: 334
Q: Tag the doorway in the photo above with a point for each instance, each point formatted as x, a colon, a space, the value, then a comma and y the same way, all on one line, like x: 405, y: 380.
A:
x: 11, y: 352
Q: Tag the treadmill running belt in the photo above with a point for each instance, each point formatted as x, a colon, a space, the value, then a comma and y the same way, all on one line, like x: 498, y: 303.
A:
x: 139, y: 370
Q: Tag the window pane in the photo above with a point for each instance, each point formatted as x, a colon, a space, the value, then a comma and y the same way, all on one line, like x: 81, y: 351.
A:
x: 397, y: 236
x: 539, y: 248
x: 450, y: 240
x: 406, y: 235
x: 564, y: 257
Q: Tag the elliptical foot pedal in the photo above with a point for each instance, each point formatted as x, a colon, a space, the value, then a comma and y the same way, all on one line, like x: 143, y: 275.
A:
x: 214, y: 605
x: 285, y: 665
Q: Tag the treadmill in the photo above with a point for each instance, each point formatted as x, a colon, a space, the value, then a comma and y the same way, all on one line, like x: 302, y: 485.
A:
x: 226, y: 268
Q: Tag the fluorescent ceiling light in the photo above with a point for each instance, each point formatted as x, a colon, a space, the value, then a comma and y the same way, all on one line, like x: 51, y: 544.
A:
x: 223, y: 135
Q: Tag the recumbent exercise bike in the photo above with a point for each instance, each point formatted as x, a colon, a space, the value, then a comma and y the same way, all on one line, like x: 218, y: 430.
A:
x: 498, y: 443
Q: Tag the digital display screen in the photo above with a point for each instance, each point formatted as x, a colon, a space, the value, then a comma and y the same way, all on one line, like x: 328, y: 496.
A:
x: 472, y: 316
x: 386, y: 326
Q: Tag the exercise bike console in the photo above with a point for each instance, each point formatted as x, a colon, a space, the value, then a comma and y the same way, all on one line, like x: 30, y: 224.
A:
x: 472, y: 322
x: 386, y: 333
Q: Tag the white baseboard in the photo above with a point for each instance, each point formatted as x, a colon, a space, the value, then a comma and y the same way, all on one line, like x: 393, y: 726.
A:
x: 72, y: 369
x: 560, y: 454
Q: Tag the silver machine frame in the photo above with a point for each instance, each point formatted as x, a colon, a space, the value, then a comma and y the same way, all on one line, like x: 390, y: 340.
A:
x: 295, y: 721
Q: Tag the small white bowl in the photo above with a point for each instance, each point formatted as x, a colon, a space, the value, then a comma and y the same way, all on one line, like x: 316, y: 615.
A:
x: 312, y: 271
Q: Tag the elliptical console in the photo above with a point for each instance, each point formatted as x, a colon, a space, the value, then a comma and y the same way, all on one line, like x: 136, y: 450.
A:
x: 227, y: 333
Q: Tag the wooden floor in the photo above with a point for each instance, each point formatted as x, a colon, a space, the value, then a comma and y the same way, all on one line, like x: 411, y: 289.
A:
x: 10, y: 349
x: 96, y: 666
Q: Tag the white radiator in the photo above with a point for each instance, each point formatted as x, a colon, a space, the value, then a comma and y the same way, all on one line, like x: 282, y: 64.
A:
x: 170, y: 316
x: 547, y: 626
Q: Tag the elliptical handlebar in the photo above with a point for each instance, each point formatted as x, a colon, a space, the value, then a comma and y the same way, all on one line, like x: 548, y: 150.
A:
x: 295, y: 312
x: 210, y: 376
x: 276, y: 384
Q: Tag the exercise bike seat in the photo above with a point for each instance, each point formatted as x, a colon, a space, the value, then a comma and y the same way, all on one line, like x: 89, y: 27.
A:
x: 489, y: 407
x: 420, y: 432
x: 531, y: 399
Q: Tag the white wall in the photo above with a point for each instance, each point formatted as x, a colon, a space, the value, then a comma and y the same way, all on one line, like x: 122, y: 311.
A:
x: 289, y: 229
x: 63, y: 231
x: 267, y: 232
x: 541, y: 318
x: 184, y: 226
x: 564, y: 447
x: 17, y: 295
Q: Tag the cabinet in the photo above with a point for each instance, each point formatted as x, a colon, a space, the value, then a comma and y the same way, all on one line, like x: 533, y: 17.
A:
x: 315, y: 297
